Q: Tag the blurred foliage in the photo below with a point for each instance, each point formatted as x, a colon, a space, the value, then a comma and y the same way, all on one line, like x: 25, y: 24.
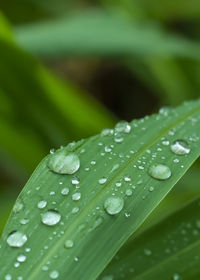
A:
x: 97, y: 61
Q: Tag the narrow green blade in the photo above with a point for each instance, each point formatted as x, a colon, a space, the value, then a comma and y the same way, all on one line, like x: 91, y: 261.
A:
x: 111, y: 195
x: 170, y: 250
x: 99, y: 33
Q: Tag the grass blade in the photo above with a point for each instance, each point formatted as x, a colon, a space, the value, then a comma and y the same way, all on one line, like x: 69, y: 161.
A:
x: 75, y: 36
x: 168, y: 249
x: 104, y: 162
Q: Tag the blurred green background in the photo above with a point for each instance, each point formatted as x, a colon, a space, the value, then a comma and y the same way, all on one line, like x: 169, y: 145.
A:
x: 70, y: 68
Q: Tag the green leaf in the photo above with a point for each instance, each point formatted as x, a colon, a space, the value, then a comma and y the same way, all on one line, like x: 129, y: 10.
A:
x: 167, y: 249
x: 113, y: 174
x: 103, y: 34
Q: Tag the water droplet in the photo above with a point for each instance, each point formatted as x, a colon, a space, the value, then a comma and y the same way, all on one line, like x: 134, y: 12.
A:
x: 18, y: 207
x: 118, y: 138
x: 63, y: 162
x: 8, y: 277
x: 97, y: 223
x: 176, y: 276
x: 54, y: 274
x: 160, y: 171
x: 123, y: 127
x: 180, y: 147
x: 75, y: 181
x: 108, y: 149
x: 76, y: 196
x: 147, y: 252
x: 102, y: 180
x: 24, y: 221
x: 51, y: 218
x: 16, y: 239
x: 75, y: 210
x: 129, y: 192
x: 41, y: 204
x: 65, y: 191
x: 107, y: 132
x: 69, y: 244
x: 113, y: 205
x: 76, y: 259
x: 108, y: 277
x: 21, y: 258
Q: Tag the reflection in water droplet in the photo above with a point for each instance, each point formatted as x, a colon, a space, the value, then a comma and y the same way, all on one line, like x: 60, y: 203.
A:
x: 42, y: 204
x: 160, y: 171
x: 113, y: 205
x: 16, y: 239
x: 69, y: 244
x: 63, y: 162
x: 51, y: 218
x: 180, y: 147
x: 54, y: 274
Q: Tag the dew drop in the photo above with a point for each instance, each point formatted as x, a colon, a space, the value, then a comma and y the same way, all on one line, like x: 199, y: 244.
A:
x: 76, y: 196
x: 123, y: 127
x: 63, y: 162
x: 41, y: 204
x: 160, y: 171
x: 107, y: 132
x: 21, y: 258
x: 69, y: 244
x: 51, y: 218
x: 18, y: 207
x: 65, y: 191
x: 75, y: 181
x: 176, y: 276
x: 24, y: 221
x: 16, y: 239
x: 8, y: 277
x: 129, y: 192
x: 180, y: 147
x: 113, y: 205
x: 102, y: 180
x: 54, y: 274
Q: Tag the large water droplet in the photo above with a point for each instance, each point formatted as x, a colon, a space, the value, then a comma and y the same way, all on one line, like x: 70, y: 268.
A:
x: 113, y: 205
x: 180, y: 147
x: 54, y: 274
x: 64, y: 162
x: 160, y: 171
x: 16, y: 239
x: 51, y: 218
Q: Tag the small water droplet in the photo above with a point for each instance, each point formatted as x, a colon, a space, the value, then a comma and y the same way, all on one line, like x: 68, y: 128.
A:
x: 75, y: 210
x: 21, y: 258
x: 64, y: 162
x: 123, y: 127
x: 76, y: 196
x: 113, y: 205
x: 16, y: 239
x: 8, y: 277
x: 102, y: 180
x: 180, y: 147
x: 69, y: 244
x: 51, y: 218
x: 76, y: 259
x: 54, y: 274
x: 41, y: 204
x: 18, y: 207
x: 151, y: 189
x: 129, y: 192
x: 65, y: 191
x: 107, y: 132
x: 147, y: 252
x: 176, y: 276
x: 24, y: 221
x: 75, y: 181
x: 160, y: 171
